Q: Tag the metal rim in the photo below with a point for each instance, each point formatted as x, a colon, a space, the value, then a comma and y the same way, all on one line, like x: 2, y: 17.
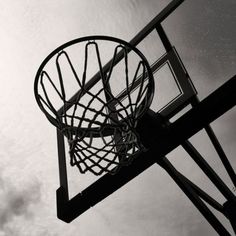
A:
x: 55, y: 122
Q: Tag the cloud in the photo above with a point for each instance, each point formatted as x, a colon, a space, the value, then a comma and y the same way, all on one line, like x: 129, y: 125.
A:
x: 16, y: 202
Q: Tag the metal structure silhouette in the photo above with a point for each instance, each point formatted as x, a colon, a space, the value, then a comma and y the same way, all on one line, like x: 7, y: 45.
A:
x: 140, y: 127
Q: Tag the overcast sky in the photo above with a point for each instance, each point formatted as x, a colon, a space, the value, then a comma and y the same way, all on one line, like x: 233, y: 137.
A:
x: 204, y: 33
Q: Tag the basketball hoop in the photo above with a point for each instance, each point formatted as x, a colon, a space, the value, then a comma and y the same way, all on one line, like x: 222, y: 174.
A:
x: 99, y: 120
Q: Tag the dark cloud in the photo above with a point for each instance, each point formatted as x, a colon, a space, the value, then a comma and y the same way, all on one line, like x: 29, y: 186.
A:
x: 16, y: 202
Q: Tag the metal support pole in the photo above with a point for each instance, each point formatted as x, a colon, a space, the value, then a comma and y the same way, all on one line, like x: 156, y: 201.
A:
x: 165, y: 41
x: 230, y: 213
x: 206, y: 168
x: 186, y: 188
x: 218, y: 148
x: 203, y: 195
